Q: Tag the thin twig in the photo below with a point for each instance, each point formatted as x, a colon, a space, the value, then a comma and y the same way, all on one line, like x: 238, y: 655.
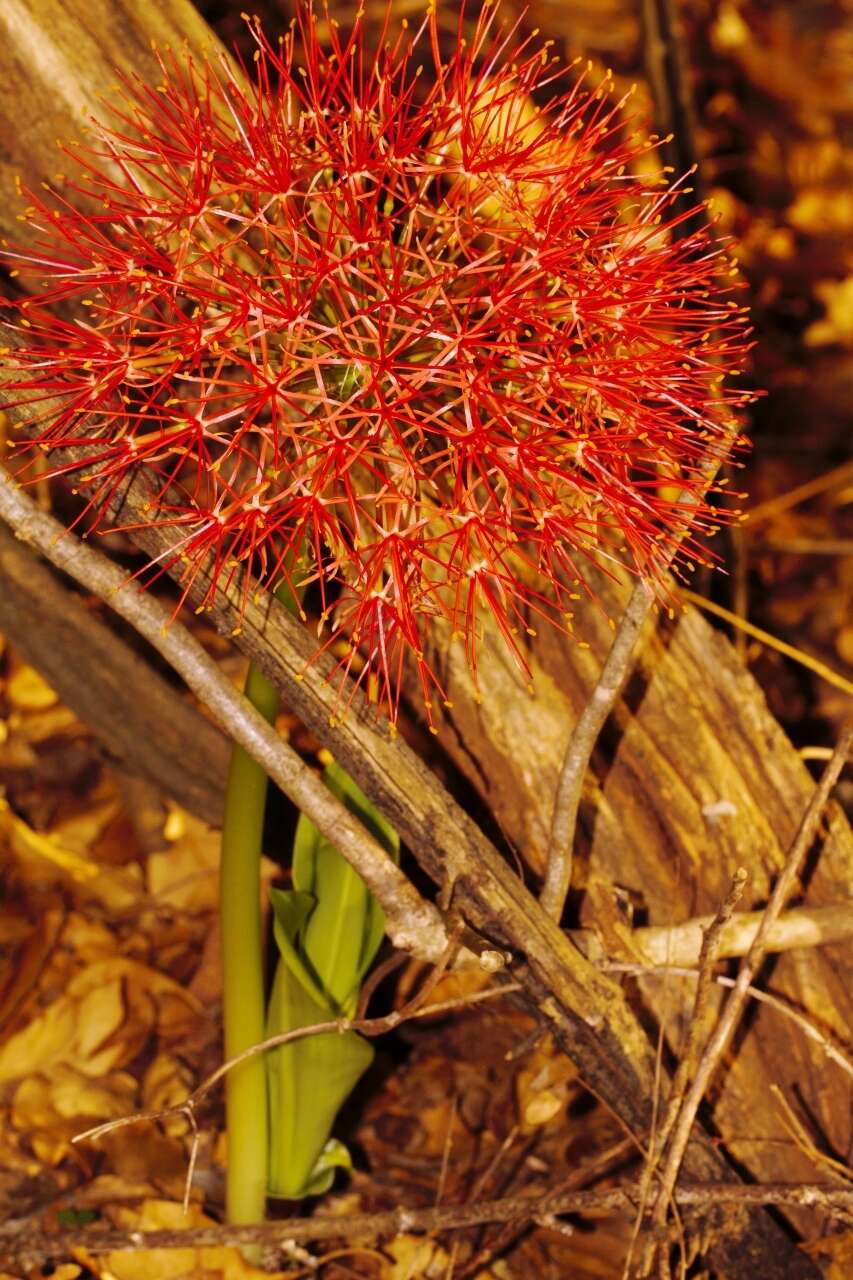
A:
x: 411, y: 923
x: 581, y: 1176
x: 614, y: 673
x: 825, y: 1197
x: 804, y: 1141
x: 668, y: 72
x: 697, y: 1031
x: 364, y: 1026
x: 765, y: 637
x: 808, y: 1028
x: 793, y: 497
x: 751, y: 964
x: 809, y: 546
x: 680, y: 944
x: 697, y: 1027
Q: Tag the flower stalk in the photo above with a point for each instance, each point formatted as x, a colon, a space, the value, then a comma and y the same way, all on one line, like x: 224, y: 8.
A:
x: 243, y: 994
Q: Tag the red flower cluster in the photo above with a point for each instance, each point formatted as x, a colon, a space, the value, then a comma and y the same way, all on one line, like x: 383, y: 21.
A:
x: 433, y: 335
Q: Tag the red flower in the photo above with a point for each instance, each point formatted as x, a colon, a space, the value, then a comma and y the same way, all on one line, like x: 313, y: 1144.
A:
x: 434, y: 333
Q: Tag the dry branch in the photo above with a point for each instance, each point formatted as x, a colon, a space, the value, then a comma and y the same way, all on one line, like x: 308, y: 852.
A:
x: 828, y: 1198
x: 144, y: 725
x: 733, y: 1009
x: 412, y: 924
x: 680, y: 944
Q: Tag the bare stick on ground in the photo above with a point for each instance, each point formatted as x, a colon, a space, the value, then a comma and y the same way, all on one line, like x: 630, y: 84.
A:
x: 665, y: 946
x: 749, y: 967
x: 696, y: 1032
x: 827, y: 1198
x: 558, y: 877
x: 412, y: 924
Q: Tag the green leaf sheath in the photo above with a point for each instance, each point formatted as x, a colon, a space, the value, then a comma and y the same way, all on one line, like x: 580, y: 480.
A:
x: 328, y: 928
x: 242, y: 962
x: 280, y: 1108
x: 309, y: 1081
x: 334, y: 933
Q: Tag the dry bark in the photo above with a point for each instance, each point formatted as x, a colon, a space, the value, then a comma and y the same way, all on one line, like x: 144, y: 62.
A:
x: 693, y: 779
x: 59, y: 60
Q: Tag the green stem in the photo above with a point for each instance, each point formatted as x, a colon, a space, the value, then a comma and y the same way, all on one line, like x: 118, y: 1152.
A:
x: 244, y: 996
x: 246, y: 1109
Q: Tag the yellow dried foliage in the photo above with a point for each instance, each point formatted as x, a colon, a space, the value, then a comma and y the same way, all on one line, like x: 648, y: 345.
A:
x: 414, y: 1258
x: 836, y: 1255
x: 222, y: 1263
x: 837, y: 324
x: 26, y: 690
x: 46, y: 859
x: 543, y: 1086
x: 101, y: 1021
x: 186, y: 875
x: 51, y: 1107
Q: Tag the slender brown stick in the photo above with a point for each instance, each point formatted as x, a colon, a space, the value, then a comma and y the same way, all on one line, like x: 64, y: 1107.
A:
x: 755, y: 993
x: 364, y: 1026
x: 696, y: 1034
x: 697, y: 1030
x: 793, y: 497
x: 750, y: 965
x: 825, y: 1197
x: 617, y: 667
x: 697, y: 1023
x: 614, y: 673
x: 781, y: 646
x: 411, y: 923
x: 665, y: 946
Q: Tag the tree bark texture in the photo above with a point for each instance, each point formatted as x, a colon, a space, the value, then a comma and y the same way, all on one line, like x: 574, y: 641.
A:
x: 692, y: 779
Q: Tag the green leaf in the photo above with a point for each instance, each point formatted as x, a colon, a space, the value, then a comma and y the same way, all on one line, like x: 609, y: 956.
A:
x: 341, y: 785
x: 308, y: 1082
x: 333, y: 1156
x: 328, y: 929
x: 291, y: 910
x: 305, y: 843
x: 334, y: 935
x: 79, y: 1217
x: 374, y: 932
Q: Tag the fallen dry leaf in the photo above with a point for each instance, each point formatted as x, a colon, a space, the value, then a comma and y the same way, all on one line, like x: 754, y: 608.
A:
x: 838, y: 1250
x: 837, y: 324
x: 186, y: 875
x: 44, y: 859
x: 543, y: 1085
x: 101, y: 1021
x: 27, y: 690
x: 54, y: 1106
x: 224, y: 1263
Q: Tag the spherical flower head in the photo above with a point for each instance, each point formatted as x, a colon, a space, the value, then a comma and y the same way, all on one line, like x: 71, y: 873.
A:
x: 414, y: 322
